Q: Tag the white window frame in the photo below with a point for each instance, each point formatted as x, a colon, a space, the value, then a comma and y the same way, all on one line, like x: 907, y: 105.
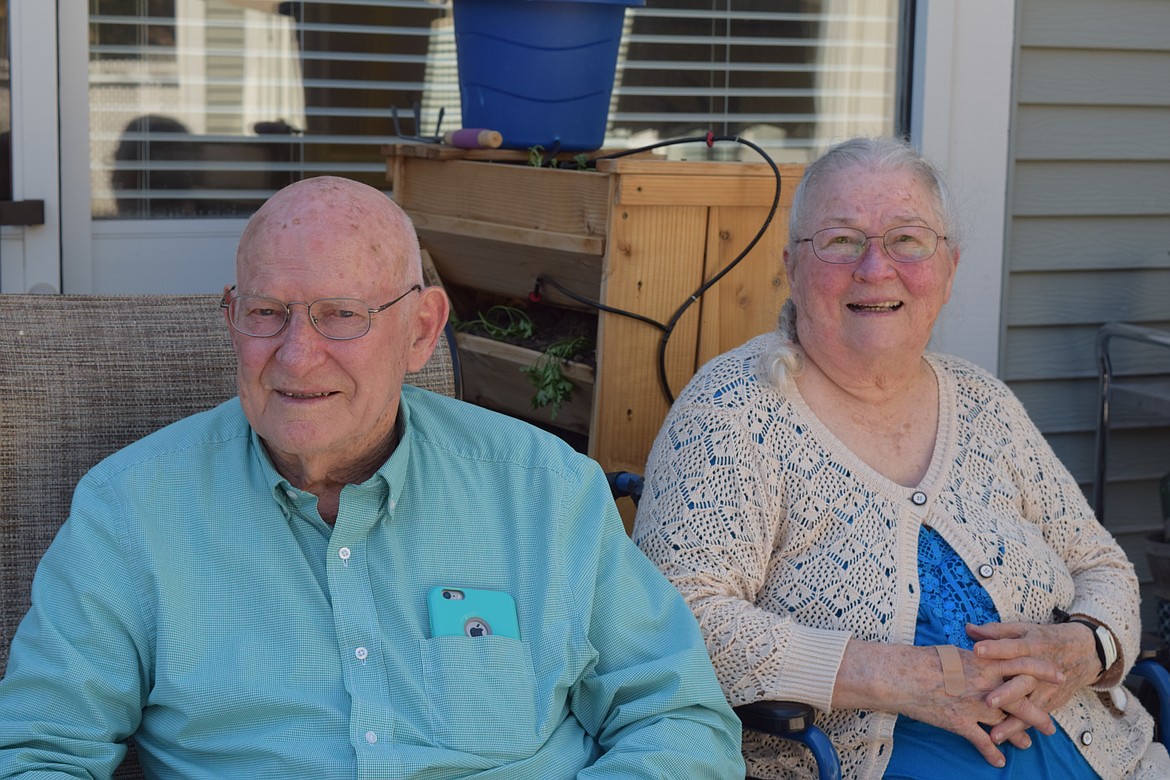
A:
x: 961, y: 112
x: 33, y: 253
x: 76, y: 241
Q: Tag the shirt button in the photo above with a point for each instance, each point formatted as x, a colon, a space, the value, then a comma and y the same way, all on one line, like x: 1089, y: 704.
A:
x: 371, y: 738
x: 343, y: 553
x: 361, y: 654
x: 1086, y: 738
x: 292, y: 494
x: 986, y: 570
x: 918, y: 498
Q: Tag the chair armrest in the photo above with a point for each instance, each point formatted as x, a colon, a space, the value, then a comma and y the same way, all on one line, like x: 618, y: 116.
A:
x: 778, y: 718
x: 795, y: 721
x: 625, y: 483
x: 1157, y: 680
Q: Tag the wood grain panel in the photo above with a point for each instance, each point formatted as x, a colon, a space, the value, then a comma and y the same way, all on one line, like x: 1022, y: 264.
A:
x: 492, y: 378
x: 655, y: 263
x: 747, y: 300
x: 557, y: 201
x: 511, y: 269
x: 637, y: 236
x: 750, y: 185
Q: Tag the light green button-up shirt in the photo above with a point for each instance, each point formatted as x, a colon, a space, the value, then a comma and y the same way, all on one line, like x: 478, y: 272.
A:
x: 197, y: 601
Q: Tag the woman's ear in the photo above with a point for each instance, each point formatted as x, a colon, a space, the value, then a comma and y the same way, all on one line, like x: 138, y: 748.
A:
x: 790, y: 269
x: 954, y: 270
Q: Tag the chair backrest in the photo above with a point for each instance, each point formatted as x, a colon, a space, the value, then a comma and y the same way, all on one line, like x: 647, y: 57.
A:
x: 84, y: 375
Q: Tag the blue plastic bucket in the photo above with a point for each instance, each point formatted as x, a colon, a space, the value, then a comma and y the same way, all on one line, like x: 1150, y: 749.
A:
x: 539, y: 71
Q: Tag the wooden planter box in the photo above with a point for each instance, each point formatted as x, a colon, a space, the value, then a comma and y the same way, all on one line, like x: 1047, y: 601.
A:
x: 492, y: 377
x: 637, y: 234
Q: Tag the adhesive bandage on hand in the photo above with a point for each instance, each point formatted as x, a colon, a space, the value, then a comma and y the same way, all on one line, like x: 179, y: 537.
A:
x: 954, y: 683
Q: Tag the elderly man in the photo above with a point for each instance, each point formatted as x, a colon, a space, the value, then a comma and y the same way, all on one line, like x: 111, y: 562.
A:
x: 251, y: 592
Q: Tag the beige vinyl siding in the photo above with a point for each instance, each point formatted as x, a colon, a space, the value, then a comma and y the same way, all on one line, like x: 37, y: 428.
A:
x: 1088, y: 238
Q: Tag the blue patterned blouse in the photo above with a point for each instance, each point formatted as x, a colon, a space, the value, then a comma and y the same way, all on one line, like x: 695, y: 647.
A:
x: 951, y: 598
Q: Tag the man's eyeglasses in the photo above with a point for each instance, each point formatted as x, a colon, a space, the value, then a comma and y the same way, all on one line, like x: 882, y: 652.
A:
x: 340, y: 319
x: 843, y: 245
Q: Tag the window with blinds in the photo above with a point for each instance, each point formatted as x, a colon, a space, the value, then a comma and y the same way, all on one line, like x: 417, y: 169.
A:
x: 204, y: 108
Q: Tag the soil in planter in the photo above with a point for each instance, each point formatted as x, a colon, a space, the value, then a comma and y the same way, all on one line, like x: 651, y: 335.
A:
x: 550, y: 324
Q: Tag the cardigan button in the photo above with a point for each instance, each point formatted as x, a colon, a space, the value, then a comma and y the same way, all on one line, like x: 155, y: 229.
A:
x: 986, y: 570
x: 1086, y: 738
x: 918, y: 498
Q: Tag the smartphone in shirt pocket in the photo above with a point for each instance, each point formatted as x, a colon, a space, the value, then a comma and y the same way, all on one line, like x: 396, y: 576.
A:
x: 472, y: 612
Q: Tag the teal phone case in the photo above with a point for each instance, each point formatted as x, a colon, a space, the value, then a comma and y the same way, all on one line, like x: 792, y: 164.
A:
x: 471, y: 612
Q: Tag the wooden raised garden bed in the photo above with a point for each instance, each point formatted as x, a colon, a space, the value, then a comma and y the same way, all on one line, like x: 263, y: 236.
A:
x: 637, y: 234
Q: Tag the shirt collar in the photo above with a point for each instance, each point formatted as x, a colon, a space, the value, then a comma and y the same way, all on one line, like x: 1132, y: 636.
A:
x: 388, y: 480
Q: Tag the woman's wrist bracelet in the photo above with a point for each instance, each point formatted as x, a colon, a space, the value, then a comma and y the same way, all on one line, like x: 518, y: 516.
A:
x: 1102, y: 637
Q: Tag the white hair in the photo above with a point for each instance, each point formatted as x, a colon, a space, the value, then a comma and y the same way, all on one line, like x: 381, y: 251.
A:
x: 786, y: 359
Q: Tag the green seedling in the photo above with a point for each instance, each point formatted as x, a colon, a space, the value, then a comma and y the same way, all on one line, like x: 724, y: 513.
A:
x: 502, y: 323
x: 553, y: 389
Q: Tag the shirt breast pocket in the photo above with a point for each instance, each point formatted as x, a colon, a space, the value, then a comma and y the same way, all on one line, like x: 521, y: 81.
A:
x: 483, y: 695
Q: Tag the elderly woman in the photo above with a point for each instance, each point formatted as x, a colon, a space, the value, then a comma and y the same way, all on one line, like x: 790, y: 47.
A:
x: 880, y: 531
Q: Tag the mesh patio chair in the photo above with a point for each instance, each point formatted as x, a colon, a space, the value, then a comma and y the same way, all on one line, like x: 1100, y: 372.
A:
x: 84, y: 375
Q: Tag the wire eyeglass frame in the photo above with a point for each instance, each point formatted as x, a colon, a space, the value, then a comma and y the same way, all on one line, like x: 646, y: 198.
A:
x: 855, y: 241
x: 232, y: 305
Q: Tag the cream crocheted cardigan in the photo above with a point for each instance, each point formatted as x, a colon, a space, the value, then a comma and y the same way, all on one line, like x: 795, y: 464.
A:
x: 785, y: 545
